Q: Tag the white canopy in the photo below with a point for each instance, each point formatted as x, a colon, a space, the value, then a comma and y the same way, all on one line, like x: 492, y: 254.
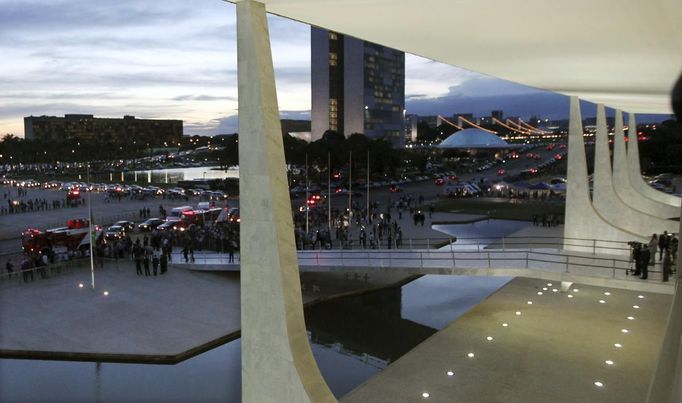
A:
x: 623, y: 53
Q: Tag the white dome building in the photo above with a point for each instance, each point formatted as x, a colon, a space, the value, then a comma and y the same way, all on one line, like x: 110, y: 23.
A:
x: 474, y: 138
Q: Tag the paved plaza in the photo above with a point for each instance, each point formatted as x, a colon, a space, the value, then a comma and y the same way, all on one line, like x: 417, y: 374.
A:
x: 158, y: 318
x: 505, y: 350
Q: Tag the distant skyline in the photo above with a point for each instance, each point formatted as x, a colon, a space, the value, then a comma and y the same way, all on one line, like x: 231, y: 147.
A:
x: 177, y: 60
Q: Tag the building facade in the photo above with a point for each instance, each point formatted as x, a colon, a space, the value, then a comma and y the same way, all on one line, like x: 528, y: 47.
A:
x: 411, y: 123
x: 357, y: 87
x: 155, y: 133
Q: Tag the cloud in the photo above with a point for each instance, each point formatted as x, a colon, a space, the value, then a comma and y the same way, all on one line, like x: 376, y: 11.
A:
x: 547, y: 104
x: 203, y: 98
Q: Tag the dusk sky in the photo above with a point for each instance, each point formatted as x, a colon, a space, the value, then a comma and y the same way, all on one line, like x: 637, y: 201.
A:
x: 176, y: 59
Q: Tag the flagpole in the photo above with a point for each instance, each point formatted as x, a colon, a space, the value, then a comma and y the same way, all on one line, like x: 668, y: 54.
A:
x: 329, y: 193
x: 90, y: 234
x: 306, y: 194
x: 367, y: 184
x: 350, y: 189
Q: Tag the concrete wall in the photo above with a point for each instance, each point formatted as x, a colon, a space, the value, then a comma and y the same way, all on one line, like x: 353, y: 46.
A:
x: 319, y: 80
x: 353, y: 86
x: 604, y: 198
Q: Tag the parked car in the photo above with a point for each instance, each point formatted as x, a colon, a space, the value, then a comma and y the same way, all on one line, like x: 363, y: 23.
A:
x: 150, y: 224
x: 127, y: 225
x: 115, y: 232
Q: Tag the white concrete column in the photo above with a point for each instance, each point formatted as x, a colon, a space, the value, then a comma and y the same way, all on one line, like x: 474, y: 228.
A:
x: 635, y: 172
x: 583, y: 223
x: 621, y: 179
x: 277, y: 362
x: 604, y: 197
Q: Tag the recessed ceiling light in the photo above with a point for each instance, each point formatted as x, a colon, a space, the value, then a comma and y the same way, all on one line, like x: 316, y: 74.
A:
x: 518, y: 313
x: 426, y: 395
x: 470, y: 355
x: 549, y: 284
x: 544, y: 288
x: 624, y: 330
x: 617, y: 345
x: 598, y: 384
x: 450, y: 373
x: 636, y: 306
x: 530, y: 302
x: 554, y: 290
x: 80, y: 285
x: 607, y: 293
x: 575, y: 290
x: 570, y: 295
x: 505, y: 324
x: 631, y: 318
x: 489, y: 338
x: 601, y: 301
x: 539, y: 292
x: 608, y: 362
x: 640, y: 296
x: 106, y: 293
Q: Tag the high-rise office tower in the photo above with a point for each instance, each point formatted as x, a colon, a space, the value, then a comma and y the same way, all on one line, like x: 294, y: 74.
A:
x: 357, y: 87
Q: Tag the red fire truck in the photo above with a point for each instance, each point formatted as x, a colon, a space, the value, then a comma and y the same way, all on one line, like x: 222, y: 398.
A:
x: 73, y: 237
x: 73, y: 198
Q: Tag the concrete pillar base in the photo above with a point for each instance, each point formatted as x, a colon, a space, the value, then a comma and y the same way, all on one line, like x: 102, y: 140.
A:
x: 635, y: 172
x: 621, y: 180
x: 583, y: 223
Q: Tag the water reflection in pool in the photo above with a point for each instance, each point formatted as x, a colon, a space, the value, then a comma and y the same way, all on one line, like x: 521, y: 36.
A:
x: 353, y: 338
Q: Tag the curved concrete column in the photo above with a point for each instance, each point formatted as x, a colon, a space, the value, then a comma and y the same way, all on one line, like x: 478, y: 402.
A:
x: 582, y: 220
x: 277, y: 362
x: 604, y: 197
x: 621, y: 180
x: 635, y: 172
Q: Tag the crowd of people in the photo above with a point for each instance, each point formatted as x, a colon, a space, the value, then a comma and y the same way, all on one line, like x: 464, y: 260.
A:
x: 16, y: 206
x: 376, y: 228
